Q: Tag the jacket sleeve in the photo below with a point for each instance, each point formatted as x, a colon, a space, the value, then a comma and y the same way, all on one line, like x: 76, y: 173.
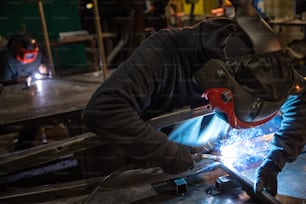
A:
x: 6, y: 74
x: 290, y: 139
x: 115, y: 110
x: 155, y: 79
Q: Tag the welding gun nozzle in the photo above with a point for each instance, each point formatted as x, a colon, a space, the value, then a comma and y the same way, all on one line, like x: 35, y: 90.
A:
x: 198, y: 157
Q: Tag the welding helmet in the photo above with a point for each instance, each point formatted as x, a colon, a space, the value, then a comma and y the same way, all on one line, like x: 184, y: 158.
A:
x: 248, y: 88
x: 25, y: 47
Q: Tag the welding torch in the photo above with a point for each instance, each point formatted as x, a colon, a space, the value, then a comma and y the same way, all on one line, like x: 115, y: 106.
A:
x: 198, y: 157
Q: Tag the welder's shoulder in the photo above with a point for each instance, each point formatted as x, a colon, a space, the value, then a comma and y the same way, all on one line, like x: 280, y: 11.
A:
x: 216, y: 22
x: 185, y: 37
x: 156, y: 50
x: 162, y: 38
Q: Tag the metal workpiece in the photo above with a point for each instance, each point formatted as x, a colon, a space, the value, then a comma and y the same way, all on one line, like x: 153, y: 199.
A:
x: 199, y: 156
x: 247, y: 185
x: 140, y: 184
x: 10, y: 163
x: 29, y: 157
x: 179, y: 115
x: 244, y: 181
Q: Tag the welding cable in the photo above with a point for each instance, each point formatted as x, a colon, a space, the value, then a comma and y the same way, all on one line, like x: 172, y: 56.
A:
x: 105, y: 179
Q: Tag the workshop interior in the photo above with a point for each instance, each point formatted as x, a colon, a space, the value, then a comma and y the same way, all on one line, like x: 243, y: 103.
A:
x: 47, y: 155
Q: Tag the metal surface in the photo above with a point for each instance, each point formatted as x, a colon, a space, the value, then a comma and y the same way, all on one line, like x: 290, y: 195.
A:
x: 246, y: 160
x: 179, y: 116
x: 248, y: 186
x: 141, y: 184
x: 90, y: 77
x: 49, y: 152
x: 126, y: 179
x: 43, y: 99
x: 42, y: 154
x: 197, y: 193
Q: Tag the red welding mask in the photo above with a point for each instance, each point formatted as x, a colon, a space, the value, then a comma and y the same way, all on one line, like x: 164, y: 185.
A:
x: 25, y: 47
x: 249, y: 85
x: 249, y: 91
x: 26, y: 56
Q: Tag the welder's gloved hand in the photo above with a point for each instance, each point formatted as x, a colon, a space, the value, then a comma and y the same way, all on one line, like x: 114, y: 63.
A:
x: 176, y: 159
x: 266, y: 174
x: 22, y: 79
x: 266, y: 178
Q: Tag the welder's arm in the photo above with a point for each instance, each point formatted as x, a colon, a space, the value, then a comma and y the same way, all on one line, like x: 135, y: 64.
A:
x: 6, y: 76
x: 114, y: 112
x: 288, y: 142
x: 291, y: 137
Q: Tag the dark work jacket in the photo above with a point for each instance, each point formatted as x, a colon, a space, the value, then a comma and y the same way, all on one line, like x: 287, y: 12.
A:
x: 157, y: 78
x: 11, y: 68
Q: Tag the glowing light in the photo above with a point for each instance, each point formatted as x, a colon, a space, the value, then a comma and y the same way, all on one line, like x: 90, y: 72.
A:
x: 37, y: 76
x: 297, y: 88
x: 89, y: 5
x: 39, y: 85
x: 239, y: 148
x: 246, y: 148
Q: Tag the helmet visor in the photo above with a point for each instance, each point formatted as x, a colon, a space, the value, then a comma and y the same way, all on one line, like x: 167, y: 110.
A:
x: 26, y: 56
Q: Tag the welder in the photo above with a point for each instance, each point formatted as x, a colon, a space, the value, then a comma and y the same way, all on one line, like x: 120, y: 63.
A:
x: 236, y: 65
x: 22, y: 59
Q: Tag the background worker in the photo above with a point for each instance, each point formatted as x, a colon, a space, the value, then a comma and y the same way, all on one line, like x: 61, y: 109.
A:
x: 235, y: 65
x: 22, y: 59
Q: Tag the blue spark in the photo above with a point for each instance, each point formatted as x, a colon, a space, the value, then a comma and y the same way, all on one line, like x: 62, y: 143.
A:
x: 246, y: 148
x: 241, y: 148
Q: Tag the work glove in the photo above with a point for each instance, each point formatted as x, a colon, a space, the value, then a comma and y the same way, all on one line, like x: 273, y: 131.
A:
x: 176, y: 159
x: 266, y: 174
x: 266, y: 178
x: 22, y: 79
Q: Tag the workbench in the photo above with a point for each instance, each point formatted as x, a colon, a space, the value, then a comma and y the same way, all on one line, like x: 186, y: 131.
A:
x: 96, y: 77
x: 42, y: 101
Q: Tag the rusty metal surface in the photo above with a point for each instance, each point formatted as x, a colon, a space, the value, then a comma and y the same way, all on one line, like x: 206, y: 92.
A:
x: 42, y: 99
